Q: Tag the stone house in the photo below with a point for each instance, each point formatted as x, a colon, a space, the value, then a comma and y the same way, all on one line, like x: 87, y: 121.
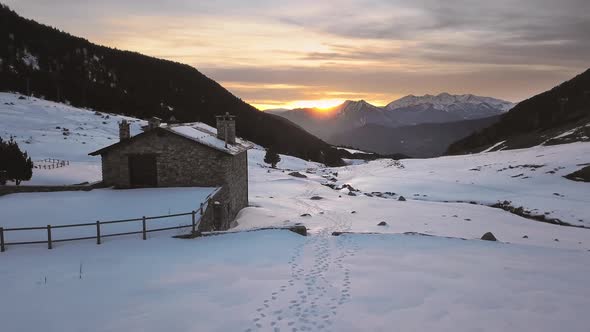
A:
x: 183, y: 155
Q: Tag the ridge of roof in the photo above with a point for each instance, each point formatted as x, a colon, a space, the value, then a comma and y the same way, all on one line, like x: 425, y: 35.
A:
x: 197, y: 132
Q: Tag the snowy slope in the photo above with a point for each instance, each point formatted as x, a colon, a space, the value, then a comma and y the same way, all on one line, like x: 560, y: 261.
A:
x: 52, y: 130
x: 532, y: 178
x: 280, y: 281
x: 280, y: 199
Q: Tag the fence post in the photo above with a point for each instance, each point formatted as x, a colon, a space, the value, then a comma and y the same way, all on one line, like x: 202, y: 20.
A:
x: 49, y: 244
x: 144, y: 228
x: 97, y: 232
x: 201, y: 209
x: 2, y: 239
x: 194, y: 221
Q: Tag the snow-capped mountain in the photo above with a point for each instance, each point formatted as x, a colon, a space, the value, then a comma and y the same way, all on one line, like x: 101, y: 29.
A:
x: 359, y: 113
x: 448, y: 102
x: 443, y: 108
x: 409, y: 111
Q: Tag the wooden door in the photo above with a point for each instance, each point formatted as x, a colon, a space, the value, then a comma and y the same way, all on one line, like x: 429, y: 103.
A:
x: 143, y: 171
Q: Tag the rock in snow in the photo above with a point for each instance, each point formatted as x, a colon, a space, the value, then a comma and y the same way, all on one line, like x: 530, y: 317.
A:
x: 298, y: 175
x: 489, y: 237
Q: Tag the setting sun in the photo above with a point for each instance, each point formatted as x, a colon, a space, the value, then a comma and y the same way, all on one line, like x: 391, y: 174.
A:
x: 322, y: 104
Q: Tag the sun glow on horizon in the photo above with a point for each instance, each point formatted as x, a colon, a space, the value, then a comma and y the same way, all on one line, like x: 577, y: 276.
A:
x: 320, y: 104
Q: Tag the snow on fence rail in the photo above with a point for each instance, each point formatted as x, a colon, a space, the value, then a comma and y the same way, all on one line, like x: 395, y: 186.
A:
x: 99, y: 236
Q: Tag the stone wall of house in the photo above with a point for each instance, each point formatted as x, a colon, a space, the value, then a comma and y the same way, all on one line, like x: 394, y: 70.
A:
x: 183, y: 163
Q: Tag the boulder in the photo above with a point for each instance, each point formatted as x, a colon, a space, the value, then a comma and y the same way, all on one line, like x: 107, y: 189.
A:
x: 525, y: 237
x: 306, y: 215
x: 401, y: 199
x: 298, y: 175
x: 383, y: 223
x: 316, y: 198
x: 299, y: 229
x: 349, y: 187
x: 489, y: 237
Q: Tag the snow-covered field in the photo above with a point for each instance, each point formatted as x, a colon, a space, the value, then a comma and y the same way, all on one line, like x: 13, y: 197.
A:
x: 279, y: 281
x: 286, y: 282
x: 532, y: 178
x: 78, y: 207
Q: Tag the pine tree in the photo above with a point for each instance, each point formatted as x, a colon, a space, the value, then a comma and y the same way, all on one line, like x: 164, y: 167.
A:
x: 16, y: 165
x: 272, y: 157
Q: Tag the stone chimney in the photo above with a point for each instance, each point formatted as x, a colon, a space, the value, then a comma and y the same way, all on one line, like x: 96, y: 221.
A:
x: 124, y: 131
x: 154, y: 122
x: 226, y: 128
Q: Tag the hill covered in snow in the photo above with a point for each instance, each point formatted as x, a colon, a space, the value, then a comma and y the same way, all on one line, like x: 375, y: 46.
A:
x: 49, y: 130
x: 401, y: 271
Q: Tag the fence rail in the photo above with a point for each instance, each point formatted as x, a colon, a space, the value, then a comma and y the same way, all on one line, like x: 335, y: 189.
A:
x: 195, y: 222
x: 50, y: 163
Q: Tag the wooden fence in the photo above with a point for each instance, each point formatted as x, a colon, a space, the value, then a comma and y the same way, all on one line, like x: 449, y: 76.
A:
x: 195, y: 221
x: 50, y: 163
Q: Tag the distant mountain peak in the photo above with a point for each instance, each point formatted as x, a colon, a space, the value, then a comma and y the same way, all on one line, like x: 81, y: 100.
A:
x: 445, y: 100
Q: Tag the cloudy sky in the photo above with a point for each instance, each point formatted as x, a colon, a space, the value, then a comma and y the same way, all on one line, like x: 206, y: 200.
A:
x: 278, y: 53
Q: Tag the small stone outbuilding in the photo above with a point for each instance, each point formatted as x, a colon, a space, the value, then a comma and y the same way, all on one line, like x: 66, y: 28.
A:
x: 183, y: 155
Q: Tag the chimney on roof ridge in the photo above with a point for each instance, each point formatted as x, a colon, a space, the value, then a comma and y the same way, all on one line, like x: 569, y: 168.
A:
x: 124, y: 131
x: 226, y: 128
x: 154, y: 122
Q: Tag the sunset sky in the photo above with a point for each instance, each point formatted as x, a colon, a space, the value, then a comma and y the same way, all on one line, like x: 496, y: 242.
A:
x: 275, y: 53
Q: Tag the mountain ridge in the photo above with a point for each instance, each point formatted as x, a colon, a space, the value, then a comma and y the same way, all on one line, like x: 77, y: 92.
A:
x: 445, y: 99
x: 559, y: 115
x: 39, y: 60
x: 340, y: 124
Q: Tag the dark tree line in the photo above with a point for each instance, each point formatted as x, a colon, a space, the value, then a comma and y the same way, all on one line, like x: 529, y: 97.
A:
x: 15, y: 165
x: 43, y: 61
x: 565, y: 104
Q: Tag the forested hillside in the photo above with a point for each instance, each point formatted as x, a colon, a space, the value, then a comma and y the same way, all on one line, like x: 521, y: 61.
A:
x: 39, y: 60
x: 560, y: 115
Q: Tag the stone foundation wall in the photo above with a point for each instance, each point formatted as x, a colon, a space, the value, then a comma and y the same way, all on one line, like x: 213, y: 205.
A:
x: 7, y: 190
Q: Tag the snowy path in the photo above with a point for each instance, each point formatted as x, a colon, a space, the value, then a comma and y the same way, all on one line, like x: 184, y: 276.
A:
x: 292, y: 283
x: 320, y: 281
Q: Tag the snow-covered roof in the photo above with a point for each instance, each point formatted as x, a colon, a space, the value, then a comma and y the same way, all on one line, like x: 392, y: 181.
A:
x: 207, y: 135
x: 198, y: 132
